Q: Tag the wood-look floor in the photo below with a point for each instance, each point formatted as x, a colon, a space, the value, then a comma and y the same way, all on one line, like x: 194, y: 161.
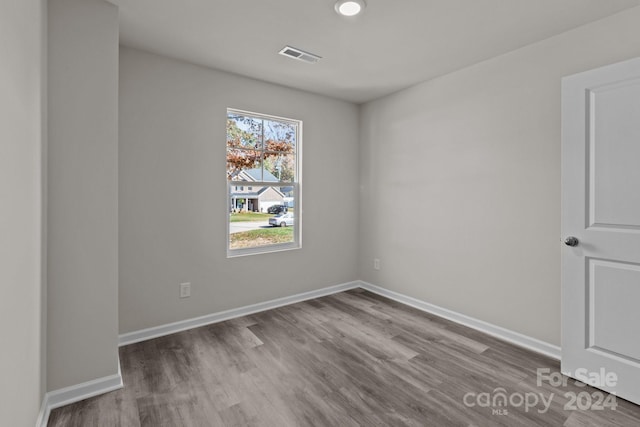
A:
x: 350, y: 359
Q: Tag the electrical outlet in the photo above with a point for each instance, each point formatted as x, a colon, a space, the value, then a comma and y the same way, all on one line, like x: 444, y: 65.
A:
x: 376, y: 264
x: 185, y: 290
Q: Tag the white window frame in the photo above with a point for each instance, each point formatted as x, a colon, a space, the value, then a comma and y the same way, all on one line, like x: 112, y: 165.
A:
x: 296, y: 184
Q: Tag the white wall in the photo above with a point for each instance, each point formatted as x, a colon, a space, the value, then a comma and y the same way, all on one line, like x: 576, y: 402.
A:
x: 173, y: 200
x: 461, y: 181
x: 21, y: 145
x: 82, y: 192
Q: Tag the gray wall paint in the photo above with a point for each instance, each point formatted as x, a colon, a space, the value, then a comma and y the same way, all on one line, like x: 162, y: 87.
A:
x: 474, y: 153
x: 461, y: 181
x: 82, y: 192
x: 172, y: 193
x: 21, y: 144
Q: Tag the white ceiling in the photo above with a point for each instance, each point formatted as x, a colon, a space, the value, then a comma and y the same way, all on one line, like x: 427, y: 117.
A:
x: 392, y: 45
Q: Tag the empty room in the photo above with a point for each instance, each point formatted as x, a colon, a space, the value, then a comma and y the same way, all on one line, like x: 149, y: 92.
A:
x: 320, y: 213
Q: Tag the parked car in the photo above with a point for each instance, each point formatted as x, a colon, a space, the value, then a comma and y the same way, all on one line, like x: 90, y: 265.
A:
x: 282, y: 220
x: 277, y: 209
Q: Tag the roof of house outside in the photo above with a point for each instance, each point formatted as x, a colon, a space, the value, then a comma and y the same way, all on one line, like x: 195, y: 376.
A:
x: 254, y: 175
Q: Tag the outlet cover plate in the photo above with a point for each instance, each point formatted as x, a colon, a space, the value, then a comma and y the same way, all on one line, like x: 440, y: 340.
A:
x: 185, y: 290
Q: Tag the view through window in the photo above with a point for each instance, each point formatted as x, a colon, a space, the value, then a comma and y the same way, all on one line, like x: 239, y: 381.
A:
x: 264, y: 184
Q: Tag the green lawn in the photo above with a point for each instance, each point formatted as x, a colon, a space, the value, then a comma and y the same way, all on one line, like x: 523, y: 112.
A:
x: 261, y: 237
x: 250, y: 216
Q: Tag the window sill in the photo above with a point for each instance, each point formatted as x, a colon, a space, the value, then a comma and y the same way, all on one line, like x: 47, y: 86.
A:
x: 234, y: 253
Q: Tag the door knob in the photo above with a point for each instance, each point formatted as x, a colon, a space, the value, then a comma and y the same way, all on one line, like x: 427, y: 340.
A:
x: 571, y: 241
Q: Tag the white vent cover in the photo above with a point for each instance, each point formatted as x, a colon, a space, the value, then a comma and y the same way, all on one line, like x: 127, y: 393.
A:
x: 300, y: 55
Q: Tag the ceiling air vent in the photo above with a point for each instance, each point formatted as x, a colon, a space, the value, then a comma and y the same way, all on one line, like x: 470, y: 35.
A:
x: 300, y: 55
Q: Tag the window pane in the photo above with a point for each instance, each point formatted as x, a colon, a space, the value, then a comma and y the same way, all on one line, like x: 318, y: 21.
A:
x: 271, y: 222
x: 282, y: 166
x: 244, y: 165
x: 280, y: 136
x: 288, y: 197
x: 244, y: 132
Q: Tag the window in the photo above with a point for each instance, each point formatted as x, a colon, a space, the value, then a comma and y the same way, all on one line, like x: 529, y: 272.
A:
x: 263, y: 154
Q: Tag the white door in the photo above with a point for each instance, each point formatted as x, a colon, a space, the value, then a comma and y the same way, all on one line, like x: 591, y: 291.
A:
x: 601, y: 210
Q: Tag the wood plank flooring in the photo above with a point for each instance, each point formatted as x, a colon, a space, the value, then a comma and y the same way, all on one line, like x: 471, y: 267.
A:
x: 350, y: 359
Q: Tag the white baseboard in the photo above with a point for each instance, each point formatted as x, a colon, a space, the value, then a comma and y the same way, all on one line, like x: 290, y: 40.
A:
x: 45, y: 411
x: 183, y: 325
x: 57, y: 398
x: 75, y: 393
x: 513, y: 337
x: 516, y: 338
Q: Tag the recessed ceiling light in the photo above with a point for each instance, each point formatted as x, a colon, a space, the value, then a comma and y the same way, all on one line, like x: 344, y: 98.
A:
x: 350, y: 7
